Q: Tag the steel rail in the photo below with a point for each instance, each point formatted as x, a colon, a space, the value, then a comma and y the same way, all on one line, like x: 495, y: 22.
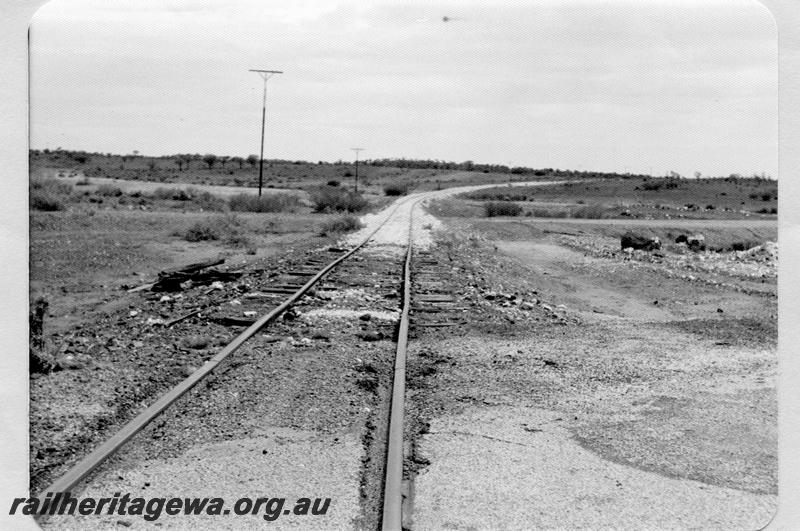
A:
x: 86, y: 465
x: 392, y: 519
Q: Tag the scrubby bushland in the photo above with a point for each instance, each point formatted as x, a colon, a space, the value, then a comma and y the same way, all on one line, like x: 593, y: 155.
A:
x: 395, y: 189
x: 227, y: 229
x: 265, y: 203
x: 175, y: 194
x: 501, y: 208
x: 108, y: 190
x: 340, y: 225
x: 49, y: 194
x: 336, y: 199
x: 204, y: 200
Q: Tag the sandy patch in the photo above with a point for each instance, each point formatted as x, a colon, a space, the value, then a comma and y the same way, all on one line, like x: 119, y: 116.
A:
x: 556, y: 482
x: 278, y: 463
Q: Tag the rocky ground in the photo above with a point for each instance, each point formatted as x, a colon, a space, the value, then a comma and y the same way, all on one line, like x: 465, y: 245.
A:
x: 602, y: 388
x: 574, y: 385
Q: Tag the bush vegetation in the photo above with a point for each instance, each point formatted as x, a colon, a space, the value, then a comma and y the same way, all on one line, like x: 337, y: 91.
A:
x: 394, y: 189
x: 48, y: 194
x: 336, y: 199
x: 108, y: 190
x: 340, y: 225
x: 227, y: 229
x: 202, y: 199
x: 501, y: 208
x: 265, y: 203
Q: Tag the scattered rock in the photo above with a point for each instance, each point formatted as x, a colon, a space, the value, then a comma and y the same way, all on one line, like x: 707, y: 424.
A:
x: 187, y: 370
x: 133, y: 313
x: 290, y: 314
x: 371, y: 336
x: 71, y: 363
x: 195, y: 342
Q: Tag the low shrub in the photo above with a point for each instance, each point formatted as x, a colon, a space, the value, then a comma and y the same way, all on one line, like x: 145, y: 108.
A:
x: 394, y: 189
x: 44, y: 201
x: 48, y: 194
x: 108, y: 190
x: 227, y: 229
x: 549, y: 213
x: 501, y: 208
x: 265, y: 203
x: 336, y: 199
x: 340, y: 225
x: 174, y: 194
x: 334, y: 182
x: 51, y: 186
x: 742, y: 245
x: 209, y: 201
x: 589, y: 212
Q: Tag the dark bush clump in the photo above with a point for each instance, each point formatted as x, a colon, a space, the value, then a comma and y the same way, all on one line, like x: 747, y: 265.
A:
x: 43, y: 201
x: 742, y: 245
x: 48, y: 194
x: 109, y: 190
x: 265, y: 203
x: 175, y: 194
x: 501, y: 208
x: 336, y: 199
x: 394, y: 189
x: 334, y: 182
x: 340, y: 225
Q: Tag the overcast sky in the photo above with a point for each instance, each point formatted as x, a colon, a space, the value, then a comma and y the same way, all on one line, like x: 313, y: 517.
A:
x: 634, y: 86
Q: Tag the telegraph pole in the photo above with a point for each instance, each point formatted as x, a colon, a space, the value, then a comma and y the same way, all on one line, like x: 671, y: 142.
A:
x: 357, y: 150
x: 265, y: 75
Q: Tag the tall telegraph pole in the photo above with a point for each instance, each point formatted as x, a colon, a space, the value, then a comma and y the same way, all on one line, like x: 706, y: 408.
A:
x: 265, y: 75
x: 357, y: 150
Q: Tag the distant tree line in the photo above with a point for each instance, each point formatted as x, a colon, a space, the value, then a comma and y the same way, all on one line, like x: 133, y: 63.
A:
x: 185, y: 160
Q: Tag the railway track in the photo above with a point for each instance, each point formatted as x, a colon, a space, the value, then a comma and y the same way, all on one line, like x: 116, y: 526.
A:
x: 327, y: 279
